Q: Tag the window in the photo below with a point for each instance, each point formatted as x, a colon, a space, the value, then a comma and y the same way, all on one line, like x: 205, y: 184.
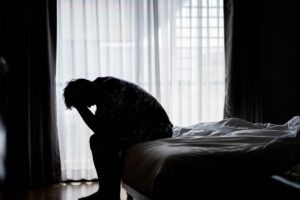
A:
x: 174, y: 49
x: 200, y: 58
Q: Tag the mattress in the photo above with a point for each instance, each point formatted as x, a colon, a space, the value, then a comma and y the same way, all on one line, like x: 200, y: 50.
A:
x: 205, y: 152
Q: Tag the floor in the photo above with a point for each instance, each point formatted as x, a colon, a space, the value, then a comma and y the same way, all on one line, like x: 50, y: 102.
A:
x: 63, y: 191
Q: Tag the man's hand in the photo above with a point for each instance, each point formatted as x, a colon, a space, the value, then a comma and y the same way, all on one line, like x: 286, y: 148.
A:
x: 87, y: 116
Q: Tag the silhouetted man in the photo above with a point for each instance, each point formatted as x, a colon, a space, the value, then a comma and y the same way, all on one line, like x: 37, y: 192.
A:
x: 126, y: 114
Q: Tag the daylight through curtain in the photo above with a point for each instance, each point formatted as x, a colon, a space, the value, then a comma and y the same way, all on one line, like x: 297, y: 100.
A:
x: 172, y: 48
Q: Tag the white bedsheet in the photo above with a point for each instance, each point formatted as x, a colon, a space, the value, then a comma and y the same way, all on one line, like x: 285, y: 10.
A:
x: 231, y: 146
x: 237, y: 127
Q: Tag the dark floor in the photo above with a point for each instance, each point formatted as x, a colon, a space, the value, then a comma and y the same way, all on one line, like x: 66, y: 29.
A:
x: 63, y: 191
x: 73, y: 191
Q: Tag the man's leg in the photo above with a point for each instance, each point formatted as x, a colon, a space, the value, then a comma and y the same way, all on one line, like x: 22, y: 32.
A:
x: 108, y: 166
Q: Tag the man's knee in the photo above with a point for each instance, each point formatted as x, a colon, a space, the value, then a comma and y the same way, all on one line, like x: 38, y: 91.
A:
x: 95, y: 142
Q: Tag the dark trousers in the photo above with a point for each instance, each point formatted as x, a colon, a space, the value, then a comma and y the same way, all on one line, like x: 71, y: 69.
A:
x: 107, y: 160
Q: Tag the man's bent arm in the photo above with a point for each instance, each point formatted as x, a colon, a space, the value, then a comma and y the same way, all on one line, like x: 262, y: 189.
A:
x: 88, y: 117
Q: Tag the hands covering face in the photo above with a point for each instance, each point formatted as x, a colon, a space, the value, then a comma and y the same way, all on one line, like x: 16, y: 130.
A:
x: 84, y: 100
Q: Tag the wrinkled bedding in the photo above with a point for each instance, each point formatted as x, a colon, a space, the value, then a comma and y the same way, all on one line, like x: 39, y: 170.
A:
x: 228, y: 147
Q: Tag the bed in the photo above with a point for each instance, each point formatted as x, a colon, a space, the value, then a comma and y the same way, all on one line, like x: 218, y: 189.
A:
x: 216, y: 158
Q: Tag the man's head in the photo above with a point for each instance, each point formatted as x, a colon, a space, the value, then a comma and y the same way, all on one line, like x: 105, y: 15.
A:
x: 79, y: 93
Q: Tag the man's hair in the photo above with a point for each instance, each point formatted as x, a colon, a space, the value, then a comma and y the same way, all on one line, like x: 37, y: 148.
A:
x: 75, y: 91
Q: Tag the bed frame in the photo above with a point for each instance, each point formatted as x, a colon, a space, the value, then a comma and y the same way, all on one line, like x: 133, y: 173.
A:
x: 274, y: 187
x: 132, y: 194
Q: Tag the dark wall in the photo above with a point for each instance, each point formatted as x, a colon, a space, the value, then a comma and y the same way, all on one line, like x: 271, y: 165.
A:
x: 280, y: 48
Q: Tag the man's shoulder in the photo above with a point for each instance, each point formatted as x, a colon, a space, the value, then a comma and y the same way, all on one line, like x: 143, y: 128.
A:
x: 104, y: 78
x: 110, y: 80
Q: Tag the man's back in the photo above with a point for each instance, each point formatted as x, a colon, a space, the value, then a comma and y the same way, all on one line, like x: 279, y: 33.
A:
x: 130, y: 111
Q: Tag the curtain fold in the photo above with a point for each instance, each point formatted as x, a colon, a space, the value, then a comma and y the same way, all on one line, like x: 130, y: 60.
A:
x: 3, y: 71
x: 174, y: 49
x: 243, y: 98
x: 29, y: 46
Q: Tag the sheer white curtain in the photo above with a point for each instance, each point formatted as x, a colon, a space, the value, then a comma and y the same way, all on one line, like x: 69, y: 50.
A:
x: 172, y: 48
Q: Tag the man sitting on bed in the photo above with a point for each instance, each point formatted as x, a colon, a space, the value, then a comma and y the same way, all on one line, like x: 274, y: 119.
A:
x: 126, y: 114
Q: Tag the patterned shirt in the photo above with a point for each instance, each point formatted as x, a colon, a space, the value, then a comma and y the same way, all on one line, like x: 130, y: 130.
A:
x: 129, y: 113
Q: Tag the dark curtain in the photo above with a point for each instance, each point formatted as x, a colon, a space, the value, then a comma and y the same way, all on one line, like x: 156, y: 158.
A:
x: 262, y: 60
x: 281, y: 63
x: 243, y: 60
x: 28, y: 34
